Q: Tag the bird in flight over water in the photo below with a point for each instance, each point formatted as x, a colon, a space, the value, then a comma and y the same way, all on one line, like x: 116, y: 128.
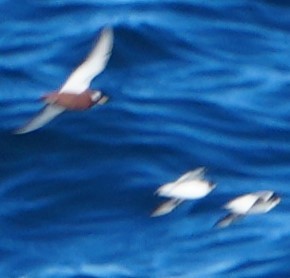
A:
x: 75, y: 93
x: 253, y: 203
x: 189, y: 186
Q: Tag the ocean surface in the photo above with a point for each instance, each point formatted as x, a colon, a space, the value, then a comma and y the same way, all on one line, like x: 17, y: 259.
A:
x: 192, y: 84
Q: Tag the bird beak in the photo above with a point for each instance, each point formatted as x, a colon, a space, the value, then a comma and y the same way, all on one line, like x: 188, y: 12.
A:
x: 276, y: 199
x: 103, y: 100
x: 212, y: 185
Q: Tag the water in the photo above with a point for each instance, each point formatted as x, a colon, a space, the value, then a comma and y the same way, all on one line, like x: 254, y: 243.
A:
x: 191, y: 83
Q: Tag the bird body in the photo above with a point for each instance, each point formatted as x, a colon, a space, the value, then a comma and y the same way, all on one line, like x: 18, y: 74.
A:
x: 73, y: 101
x: 194, y: 189
x: 253, y: 203
x: 191, y: 185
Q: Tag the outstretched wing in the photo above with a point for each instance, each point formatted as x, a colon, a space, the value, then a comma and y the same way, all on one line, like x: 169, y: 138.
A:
x: 166, y: 207
x: 228, y: 220
x: 95, y: 63
x: 44, y: 116
x: 264, y: 195
x: 192, y: 175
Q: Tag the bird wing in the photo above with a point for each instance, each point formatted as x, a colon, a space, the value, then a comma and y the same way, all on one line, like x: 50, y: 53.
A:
x: 228, y: 220
x: 95, y: 63
x: 43, y: 117
x: 166, y: 207
x: 192, y: 175
x: 264, y: 195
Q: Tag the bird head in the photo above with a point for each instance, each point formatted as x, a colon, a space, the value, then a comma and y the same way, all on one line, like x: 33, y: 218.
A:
x: 99, y: 98
x: 275, y: 199
x: 211, y: 185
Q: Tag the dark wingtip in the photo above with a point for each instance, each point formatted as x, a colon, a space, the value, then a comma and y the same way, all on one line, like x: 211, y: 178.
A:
x: 227, y: 220
x: 19, y: 131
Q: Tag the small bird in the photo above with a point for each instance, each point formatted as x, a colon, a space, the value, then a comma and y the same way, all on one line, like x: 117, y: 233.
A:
x: 190, y: 186
x: 75, y: 93
x: 253, y: 203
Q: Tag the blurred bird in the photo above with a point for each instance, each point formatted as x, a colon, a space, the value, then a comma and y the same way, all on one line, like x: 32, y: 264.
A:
x: 254, y: 203
x: 190, y: 186
x: 75, y: 93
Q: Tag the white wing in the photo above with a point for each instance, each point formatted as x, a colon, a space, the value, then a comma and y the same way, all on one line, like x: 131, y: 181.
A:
x: 192, y: 175
x: 264, y: 195
x: 97, y: 60
x: 45, y: 116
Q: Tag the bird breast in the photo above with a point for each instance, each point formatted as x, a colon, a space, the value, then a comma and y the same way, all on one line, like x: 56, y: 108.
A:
x: 74, y: 101
x: 186, y: 190
x: 241, y: 205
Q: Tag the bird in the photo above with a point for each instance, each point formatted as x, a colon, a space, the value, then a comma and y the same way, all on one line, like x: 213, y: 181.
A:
x: 189, y: 186
x: 75, y: 93
x: 253, y: 203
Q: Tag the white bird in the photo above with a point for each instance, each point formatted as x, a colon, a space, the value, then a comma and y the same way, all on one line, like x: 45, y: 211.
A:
x: 75, y: 93
x: 253, y: 203
x: 190, y: 186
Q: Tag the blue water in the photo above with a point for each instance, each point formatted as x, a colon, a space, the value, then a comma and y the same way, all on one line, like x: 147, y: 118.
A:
x: 191, y: 83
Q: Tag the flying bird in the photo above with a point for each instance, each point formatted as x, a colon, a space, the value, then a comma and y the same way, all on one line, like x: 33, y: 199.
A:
x: 75, y: 93
x: 253, y: 203
x: 190, y: 186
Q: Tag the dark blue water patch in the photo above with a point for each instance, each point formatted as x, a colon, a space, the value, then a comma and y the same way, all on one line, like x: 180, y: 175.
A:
x: 82, y: 276
x: 264, y: 268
